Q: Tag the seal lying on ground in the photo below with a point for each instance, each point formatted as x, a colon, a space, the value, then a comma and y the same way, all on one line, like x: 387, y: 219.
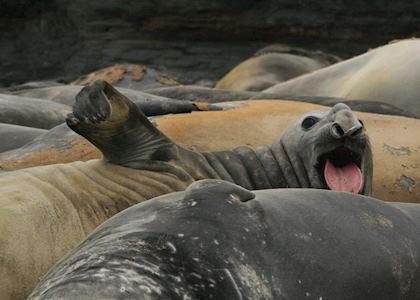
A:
x: 15, y: 136
x: 387, y: 74
x: 31, y: 112
x: 253, y: 123
x: 271, y: 65
x: 151, y: 105
x: 336, y: 141
x: 217, y: 240
x: 45, y: 211
x: 208, y: 95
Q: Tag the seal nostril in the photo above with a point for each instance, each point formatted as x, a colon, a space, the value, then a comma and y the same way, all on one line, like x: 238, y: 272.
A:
x: 357, y: 132
x: 337, y: 131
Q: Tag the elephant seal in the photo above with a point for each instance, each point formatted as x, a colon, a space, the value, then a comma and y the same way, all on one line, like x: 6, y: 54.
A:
x: 185, y: 99
x: 15, y: 136
x: 46, y: 211
x: 272, y: 65
x: 218, y: 240
x: 253, y: 123
x: 31, y: 112
x: 215, y: 96
x: 337, y: 143
x: 151, y: 105
x: 387, y: 74
x: 56, y: 146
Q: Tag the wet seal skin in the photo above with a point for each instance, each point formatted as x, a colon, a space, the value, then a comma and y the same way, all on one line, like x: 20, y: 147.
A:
x: 218, y: 240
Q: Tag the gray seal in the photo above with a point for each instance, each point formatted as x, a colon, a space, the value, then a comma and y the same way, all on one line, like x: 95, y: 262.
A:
x: 388, y: 74
x: 220, y: 241
x: 324, y: 150
x: 46, y: 211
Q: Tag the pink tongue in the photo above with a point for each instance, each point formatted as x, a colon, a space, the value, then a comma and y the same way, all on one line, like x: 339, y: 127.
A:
x: 345, y: 179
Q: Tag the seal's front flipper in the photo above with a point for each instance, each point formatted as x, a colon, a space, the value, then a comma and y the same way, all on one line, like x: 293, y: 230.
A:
x: 115, y: 125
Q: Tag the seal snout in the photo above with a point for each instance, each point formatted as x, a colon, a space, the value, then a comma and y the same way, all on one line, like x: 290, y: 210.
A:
x: 346, y: 125
x: 338, y: 132
x: 341, y: 166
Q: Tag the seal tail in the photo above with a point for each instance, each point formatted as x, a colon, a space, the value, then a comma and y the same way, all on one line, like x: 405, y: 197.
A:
x: 116, y: 126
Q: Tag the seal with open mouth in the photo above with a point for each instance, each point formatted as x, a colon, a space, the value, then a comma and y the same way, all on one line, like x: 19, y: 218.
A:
x: 321, y: 150
x: 46, y: 211
x: 328, y: 150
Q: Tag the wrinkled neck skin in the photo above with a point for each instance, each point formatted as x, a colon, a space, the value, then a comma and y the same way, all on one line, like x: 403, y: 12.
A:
x: 263, y: 168
x: 295, y: 160
x: 281, y: 165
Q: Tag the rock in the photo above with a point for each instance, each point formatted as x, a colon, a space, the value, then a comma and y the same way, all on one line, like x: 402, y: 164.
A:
x: 59, y: 39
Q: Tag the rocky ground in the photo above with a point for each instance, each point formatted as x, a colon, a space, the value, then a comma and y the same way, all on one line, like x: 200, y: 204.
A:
x: 198, y: 41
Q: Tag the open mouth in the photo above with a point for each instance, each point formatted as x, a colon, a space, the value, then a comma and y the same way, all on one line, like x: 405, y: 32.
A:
x: 341, y: 170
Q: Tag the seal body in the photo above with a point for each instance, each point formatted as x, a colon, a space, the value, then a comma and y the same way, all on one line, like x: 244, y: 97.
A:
x: 271, y: 65
x: 46, y: 211
x: 15, y: 136
x: 150, y: 104
x: 387, y: 74
x: 31, y: 112
x: 220, y: 241
x: 252, y: 123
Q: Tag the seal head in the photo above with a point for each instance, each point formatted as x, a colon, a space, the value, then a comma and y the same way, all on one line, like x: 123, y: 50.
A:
x: 329, y: 150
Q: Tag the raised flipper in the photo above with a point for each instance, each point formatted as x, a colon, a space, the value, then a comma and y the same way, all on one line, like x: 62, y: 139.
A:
x: 115, y: 125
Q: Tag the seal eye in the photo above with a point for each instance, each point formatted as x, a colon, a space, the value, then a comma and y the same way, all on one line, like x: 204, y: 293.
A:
x: 361, y: 122
x: 308, y: 122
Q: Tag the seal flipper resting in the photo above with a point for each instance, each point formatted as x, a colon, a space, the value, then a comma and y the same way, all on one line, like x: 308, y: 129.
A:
x: 321, y: 150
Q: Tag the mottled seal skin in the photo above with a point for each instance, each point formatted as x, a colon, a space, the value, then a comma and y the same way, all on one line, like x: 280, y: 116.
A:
x: 387, y: 74
x: 46, y: 211
x: 272, y: 65
x: 252, y: 123
x: 337, y: 135
x: 220, y: 241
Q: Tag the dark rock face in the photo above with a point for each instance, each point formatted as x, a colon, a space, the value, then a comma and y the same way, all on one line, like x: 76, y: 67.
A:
x: 199, y: 41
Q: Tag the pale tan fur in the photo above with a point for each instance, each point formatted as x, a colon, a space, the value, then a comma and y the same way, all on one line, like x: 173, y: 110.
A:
x: 261, y: 72
x: 46, y: 211
x: 389, y: 74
